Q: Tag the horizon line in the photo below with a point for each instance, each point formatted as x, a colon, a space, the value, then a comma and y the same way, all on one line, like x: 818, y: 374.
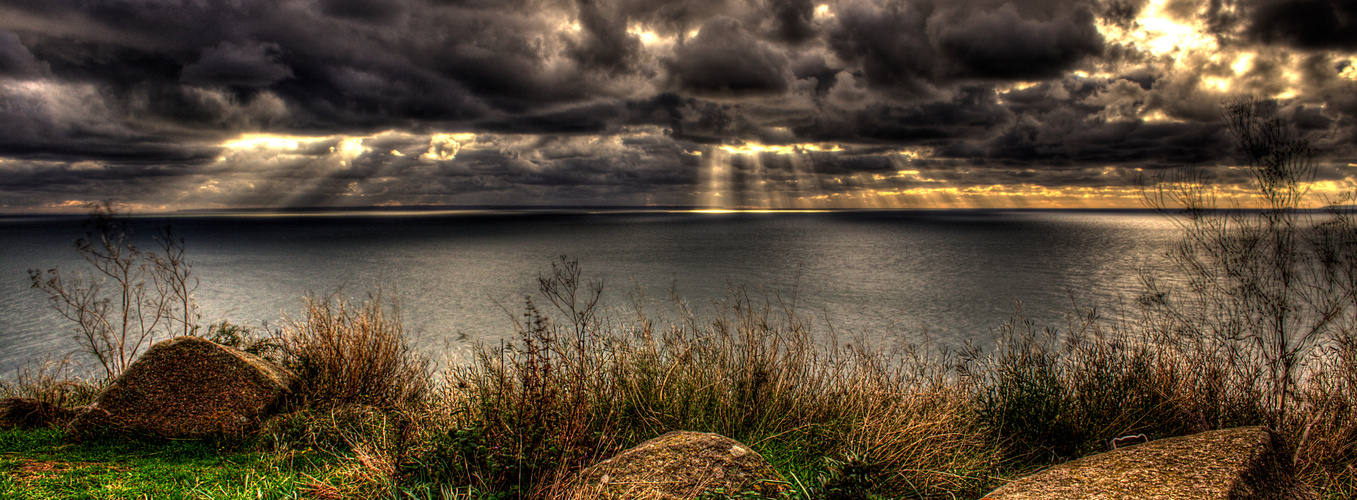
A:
x: 427, y: 210
x: 424, y: 210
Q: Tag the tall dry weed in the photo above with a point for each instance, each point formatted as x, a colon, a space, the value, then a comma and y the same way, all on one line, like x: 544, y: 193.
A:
x: 360, y: 391
x: 347, y: 354
x: 58, y: 381
x: 578, y: 386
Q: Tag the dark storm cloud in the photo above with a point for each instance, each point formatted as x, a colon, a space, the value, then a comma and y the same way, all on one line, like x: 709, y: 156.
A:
x: 28, y: 184
x: 540, y: 169
x: 677, y: 16
x: 1003, y: 44
x: 607, y: 45
x: 1306, y: 24
x: 794, y: 20
x: 1083, y: 121
x: 891, y: 45
x: 1122, y: 12
x: 591, y: 99
x: 1310, y: 118
x: 971, y: 112
x: 379, y: 11
x: 51, y: 121
x: 230, y: 63
x: 915, y: 47
x: 695, y: 120
x: 725, y: 59
x: 1075, y: 142
x: 829, y: 165
x: 340, y: 62
x: 83, y: 178
x: 15, y: 59
x: 583, y: 119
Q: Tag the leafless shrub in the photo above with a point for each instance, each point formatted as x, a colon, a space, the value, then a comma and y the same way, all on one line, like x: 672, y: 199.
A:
x: 1263, y: 286
x: 1266, y: 310
x: 128, y: 297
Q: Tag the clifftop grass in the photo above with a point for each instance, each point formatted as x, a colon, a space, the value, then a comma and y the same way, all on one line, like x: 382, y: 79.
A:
x: 837, y: 420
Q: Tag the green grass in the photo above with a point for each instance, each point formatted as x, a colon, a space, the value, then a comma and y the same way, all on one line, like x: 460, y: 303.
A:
x: 43, y: 464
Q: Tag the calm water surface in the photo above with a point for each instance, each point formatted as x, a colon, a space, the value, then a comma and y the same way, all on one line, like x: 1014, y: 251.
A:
x: 886, y: 276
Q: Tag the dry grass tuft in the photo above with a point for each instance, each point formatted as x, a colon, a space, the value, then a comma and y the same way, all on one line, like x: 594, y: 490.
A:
x: 56, y: 381
x: 927, y: 441
x: 346, y: 354
x: 1325, y: 429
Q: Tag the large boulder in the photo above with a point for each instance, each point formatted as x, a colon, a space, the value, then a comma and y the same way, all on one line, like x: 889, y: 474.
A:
x: 27, y: 413
x: 188, y: 387
x: 1244, y: 463
x: 678, y: 465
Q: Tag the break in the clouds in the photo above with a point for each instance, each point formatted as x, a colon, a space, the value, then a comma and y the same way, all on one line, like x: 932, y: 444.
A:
x: 724, y: 103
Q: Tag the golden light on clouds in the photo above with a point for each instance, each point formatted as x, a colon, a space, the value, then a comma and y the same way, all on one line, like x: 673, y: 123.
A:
x: 1349, y: 70
x: 849, y: 104
x: 350, y: 148
x: 1163, y: 33
x: 1243, y: 63
x: 983, y: 196
x: 914, y: 189
x: 1216, y: 84
x: 943, y: 195
x: 741, y: 177
x: 646, y: 36
x: 779, y: 149
x: 911, y: 154
x: 744, y: 177
x: 748, y: 185
x: 1171, y: 37
x: 444, y: 147
x: 1025, y: 85
x: 266, y: 141
x: 83, y: 205
x: 263, y: 146
x: 794, y: 184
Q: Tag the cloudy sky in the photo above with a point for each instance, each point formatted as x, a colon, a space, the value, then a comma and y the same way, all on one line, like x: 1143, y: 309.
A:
x: 182, y: 104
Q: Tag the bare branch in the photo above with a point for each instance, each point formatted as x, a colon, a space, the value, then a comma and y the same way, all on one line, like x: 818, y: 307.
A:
x: 127, y: 298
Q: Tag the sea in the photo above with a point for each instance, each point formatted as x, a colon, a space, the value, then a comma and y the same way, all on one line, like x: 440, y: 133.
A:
x: 462, y: 278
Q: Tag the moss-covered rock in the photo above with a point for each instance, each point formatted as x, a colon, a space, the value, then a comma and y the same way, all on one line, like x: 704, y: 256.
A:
x: 1245, y: 463
x: 678, y: 465
x: 188, y: 387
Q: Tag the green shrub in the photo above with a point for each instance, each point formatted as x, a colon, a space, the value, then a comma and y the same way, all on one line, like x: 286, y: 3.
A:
x: 246, y: 339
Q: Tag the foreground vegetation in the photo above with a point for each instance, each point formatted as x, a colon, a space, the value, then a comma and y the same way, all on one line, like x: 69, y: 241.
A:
x: 1259, y: 327
x: 370, y: 419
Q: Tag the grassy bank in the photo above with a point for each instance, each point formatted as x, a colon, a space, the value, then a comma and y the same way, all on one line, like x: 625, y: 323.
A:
x: 838, y: 418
